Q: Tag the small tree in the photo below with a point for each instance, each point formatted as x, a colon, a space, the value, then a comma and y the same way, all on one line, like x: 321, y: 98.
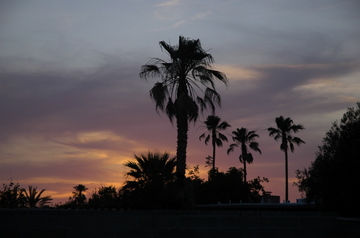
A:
x: 230, y: 187
x: 11, y: 196
x: 105, y: 197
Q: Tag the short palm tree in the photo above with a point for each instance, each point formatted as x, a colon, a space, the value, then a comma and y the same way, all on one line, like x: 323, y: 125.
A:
x: 150, y: 170
x: 187, y: 85
x: 283, y: 130
x: 79, y: 195
x: 214, y: 126
x: 33, y: 197
x: 150, y: 186
x: 242, y: 137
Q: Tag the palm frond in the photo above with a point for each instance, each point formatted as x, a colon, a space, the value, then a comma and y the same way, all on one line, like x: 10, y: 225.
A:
x: 207, y: 139
x: 231, y: 148
x: 273, y: 131
x: 223, y: 125
x: 222, y: 137
x: 170, y: 109
x: 298, y: 141
x: 212, y: 96
x: 219, y: 75
x: 202, y: 136
x: 249, y: 158
x: 255, y: 146
x: 159, y: 94
x: 201, y: 102
x: 149, y: 71
x: 218, y: 142
x: 168, y: 48
x: 296, y: 128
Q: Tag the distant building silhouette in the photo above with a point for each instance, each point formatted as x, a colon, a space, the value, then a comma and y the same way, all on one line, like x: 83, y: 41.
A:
x: 268, y: 198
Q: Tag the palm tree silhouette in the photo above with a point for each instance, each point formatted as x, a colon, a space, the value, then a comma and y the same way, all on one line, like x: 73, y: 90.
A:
x: 283, y: 130
x: 183, y: 78
x: 150, y: 186
x: 33, y: 197
x: 214, y: 127
x: 242, y: 137
x: 151, y: 170
x: 79, y: 195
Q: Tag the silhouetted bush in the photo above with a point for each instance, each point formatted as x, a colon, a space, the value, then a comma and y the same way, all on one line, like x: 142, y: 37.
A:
x: 228, y: 187
x: 105, y: 198
x: 331, y: 178
x: 11, y: 195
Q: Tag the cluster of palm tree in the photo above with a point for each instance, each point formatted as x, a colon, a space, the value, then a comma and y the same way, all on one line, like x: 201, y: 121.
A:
x: 245, y: 139
x: 187, y: 87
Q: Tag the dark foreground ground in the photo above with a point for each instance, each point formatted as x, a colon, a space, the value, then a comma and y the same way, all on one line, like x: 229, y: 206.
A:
x: 233, y: 221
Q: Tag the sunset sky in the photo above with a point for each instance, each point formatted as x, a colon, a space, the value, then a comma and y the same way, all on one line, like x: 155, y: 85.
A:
x: 73, y: 108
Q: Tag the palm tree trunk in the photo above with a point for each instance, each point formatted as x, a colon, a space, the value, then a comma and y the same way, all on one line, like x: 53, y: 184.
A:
x: 243, y: 154
x: 214, y: 151
x: 182, y: 137
x: 245, y: 171
x: 286, y: 178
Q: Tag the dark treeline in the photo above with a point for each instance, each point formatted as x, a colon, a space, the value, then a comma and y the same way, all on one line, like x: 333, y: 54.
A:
x: 151, y: 184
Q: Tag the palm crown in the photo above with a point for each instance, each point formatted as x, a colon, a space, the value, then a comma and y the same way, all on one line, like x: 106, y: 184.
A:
x: 150, y: 169
x: 188, y: 68
x: 286, y: 126
x: 34, y: 198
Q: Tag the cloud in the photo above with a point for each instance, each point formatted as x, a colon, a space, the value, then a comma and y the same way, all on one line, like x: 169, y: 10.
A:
x: 239, y: 72
x: 171, y: 3
x: 179, y: 14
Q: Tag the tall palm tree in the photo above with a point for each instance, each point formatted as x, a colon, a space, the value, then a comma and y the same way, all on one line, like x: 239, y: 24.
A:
x: 242, y: 137
x: 214, y: 126
x: 283, y: 130
x: 33, y: 197
x: 184, y: 77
